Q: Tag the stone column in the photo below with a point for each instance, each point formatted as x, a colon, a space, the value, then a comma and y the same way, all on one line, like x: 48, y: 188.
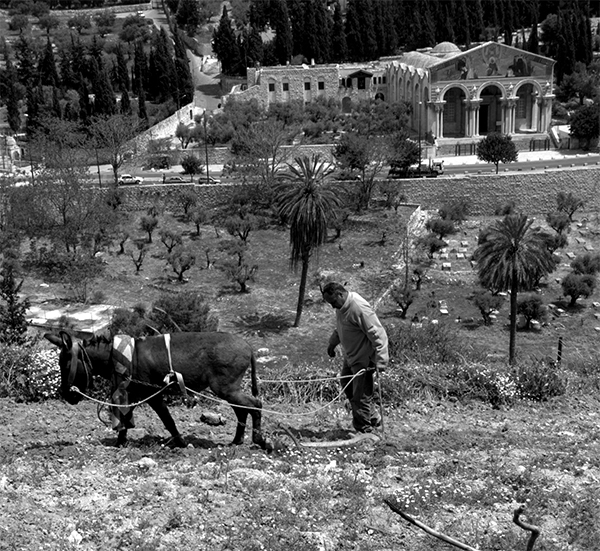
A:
x: 476, y: 106
x: 439, y: 118
x: 535, y: 112
x: 546, y: 112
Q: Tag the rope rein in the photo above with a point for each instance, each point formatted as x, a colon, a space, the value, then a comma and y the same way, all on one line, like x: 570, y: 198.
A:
x: 219, y: 400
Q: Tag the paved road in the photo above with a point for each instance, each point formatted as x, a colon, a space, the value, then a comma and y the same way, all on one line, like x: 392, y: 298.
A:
x: 536, y: 160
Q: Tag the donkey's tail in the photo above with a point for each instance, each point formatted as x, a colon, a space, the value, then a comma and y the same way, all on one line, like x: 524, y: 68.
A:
x: 253, y: 374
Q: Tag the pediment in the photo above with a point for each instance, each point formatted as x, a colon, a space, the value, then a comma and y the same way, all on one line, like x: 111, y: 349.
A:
x: 492, y: 60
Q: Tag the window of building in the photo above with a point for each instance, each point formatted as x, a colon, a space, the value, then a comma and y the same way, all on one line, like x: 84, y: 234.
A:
x: 450, y: 112
x: 383, y: 79
x: 307, y: 85
x: 271, y: 86
x: 521, y: 108
x: 321, y: 85
x: 285, y: 87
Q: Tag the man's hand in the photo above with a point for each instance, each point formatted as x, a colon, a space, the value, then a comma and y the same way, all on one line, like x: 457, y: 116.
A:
x: 377, y: 368
x: 331, y: 351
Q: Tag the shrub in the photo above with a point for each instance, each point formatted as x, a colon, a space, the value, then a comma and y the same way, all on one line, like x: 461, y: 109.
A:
x: 430, y: 344
x: 441, y: 227
x: 129, y: 322
x: 531, y: 307
x: 539, y: 380
x: 29, y: 374
x: 186, y: 311
x: 456, y: 211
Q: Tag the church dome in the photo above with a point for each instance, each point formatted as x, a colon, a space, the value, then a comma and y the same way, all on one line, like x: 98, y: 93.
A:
x: 445, y: 48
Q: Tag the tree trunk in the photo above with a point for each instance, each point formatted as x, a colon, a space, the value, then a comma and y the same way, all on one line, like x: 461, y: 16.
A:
x: 303, y: 277
x: 513, y: 318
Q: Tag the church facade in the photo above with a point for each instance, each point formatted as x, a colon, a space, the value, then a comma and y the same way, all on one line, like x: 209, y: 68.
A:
x: 456, y: 96
x: 489, y: 88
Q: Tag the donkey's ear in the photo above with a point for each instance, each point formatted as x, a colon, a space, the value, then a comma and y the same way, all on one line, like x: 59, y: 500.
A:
x: 67, y: 341
x: 54, y: 339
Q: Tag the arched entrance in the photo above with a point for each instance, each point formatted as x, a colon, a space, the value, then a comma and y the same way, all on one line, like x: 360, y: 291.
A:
x: 524, y: 111
x: 454, y: 113
x: 490, y: 110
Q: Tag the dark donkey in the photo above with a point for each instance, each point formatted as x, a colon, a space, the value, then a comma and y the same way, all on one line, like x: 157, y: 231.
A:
x: 205, y: 360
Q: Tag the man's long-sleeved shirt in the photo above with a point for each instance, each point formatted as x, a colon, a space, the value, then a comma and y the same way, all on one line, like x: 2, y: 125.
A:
x: 360, y: 333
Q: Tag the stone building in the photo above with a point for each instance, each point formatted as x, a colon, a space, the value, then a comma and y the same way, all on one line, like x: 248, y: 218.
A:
x: 460, y: 96
x: 346, y: 82
x: 456, y: 96
x: 10, y: 153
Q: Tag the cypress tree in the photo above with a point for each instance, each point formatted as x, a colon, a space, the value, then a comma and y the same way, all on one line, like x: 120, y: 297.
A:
x: 339, y: 48
x: 85, y: 109
x: 68, y: 77
x: 370, y: 46
x: 26, y: 61
x: 324, y: 24
x: 125, y: 103
x: 533, y: 42
x: 311, y: 46
x: 56, y: 108
x: 47, y: 66
x: 225, y: 45
x: 142, y: 114
x: 508, y: 24
x: 140, y: 68
x: 162, y: 70
x: 35, y: 101
x: 104, y: 103
x: 297, y: 22
x: 475, y: 19
x: 354, y: 35
x: 122, y: 72
x: 583, y: 46
x: 387, y: 37
x: 185, y: 83
x: 13, y: 113
x: 462, y: 23
x: 280, y: 22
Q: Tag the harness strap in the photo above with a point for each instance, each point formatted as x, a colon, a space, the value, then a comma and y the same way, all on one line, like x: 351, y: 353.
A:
x: 173, y: 374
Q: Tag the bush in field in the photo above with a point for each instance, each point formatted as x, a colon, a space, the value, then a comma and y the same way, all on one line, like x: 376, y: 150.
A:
x: 441, y: 227
x: 28, y: 374
x: 487, y: 304
x: 457, y: 211
x: 539, y: 380
x: 186, y: 311
x: 531, y: 307
x: 586, y: 264
x: 130, y: 322
x: 431, y: 343
x: 494, y: 384
x: 578, y: 285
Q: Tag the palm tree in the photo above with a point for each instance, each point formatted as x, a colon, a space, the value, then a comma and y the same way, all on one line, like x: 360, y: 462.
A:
x: 306, y: 205
x: 513, y: 256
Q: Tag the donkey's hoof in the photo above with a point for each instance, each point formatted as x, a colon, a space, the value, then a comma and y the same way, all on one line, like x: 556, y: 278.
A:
x: 176, y: 442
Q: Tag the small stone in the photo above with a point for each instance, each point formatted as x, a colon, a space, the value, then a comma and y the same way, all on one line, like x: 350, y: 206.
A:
x: 146, y: 463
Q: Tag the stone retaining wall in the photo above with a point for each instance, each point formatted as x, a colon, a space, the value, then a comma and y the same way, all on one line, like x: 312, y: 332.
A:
x: 532, y: 192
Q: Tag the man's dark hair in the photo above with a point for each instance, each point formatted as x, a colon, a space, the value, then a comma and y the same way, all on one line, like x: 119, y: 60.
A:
x: 332, y: 288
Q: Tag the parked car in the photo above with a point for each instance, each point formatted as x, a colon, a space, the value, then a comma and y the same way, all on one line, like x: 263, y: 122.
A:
x: 431, y: 170
x: 211, y: 180
x: 129, y: 179
x: 175, y: 180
